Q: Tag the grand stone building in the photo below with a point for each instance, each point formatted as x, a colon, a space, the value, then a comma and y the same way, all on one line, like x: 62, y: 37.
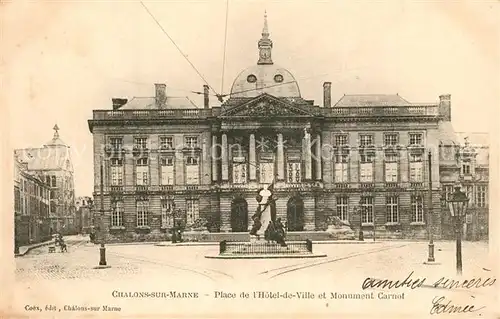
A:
x: 364, y: 158
x: 52, y: 163
x: 31, y: 206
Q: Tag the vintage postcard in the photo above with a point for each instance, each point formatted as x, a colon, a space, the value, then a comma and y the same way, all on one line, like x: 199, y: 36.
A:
x: 250, y: 159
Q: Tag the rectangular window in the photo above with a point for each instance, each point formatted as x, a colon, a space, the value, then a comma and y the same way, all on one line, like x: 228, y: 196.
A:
x: 341, y: 166
x: 239, y: 173
x: 365, y: 139
x: 366, y: 173
x: 167, y: 216
x: 391, y: 168
x: 481, y: 198
x: 366, y: 157
x: 340, y: 140
x: 342, y: 208
x: 191, y: 141
x: 116, y: 143
x: 391, y: 139
x: 166, y: 142
x: 167, y: 170
x: 116, y: 171
x: 21, y: 210
x: 367, y: 209
x: 192, y: 170
x: 142, y: 172
x: 141, y: 143
x: 416, y: 168
x: 417, y: 209
x: 142, y: 213
x: 448, y: 189
x: 341, y: 172
x: 468, y: 189
x: 294, y: 173
x: 466, y: 168
x: 117, y: 214
x: 416, y: 138
x: 391, y: 172
x: 53, y: 182
x: 192, y: 210
x: 392, y: 209
x: 266, y: 172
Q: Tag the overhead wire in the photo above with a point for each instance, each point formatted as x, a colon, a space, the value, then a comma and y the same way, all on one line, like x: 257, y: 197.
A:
x: 179, y: 49
x: 225, y: 45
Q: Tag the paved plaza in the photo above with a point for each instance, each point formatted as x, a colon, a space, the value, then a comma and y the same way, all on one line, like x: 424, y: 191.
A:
x: 71, y: 279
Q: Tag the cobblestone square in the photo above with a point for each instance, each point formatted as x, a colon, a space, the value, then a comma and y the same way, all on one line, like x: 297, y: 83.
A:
x: 70, y: 278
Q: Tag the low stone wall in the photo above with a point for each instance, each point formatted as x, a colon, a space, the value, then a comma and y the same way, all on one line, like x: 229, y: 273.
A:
x: 194, y: 236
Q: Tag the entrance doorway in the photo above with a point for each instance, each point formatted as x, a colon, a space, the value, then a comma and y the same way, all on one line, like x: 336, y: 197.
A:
x: 295, y: 214
x: 239, y: 215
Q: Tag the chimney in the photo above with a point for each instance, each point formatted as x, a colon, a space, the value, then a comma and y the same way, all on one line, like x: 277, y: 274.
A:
x: 118, y: 102
x: 160, y: 95
x: 445, y: 107
x: 327, y: 94
x: 205, y: 97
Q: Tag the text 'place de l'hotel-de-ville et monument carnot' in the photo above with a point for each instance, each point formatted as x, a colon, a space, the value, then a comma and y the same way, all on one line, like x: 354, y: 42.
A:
x: 364, y: 159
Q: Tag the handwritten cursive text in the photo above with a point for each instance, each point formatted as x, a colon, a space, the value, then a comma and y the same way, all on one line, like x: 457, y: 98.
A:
x: 384, y: 283
x: 441, y: 305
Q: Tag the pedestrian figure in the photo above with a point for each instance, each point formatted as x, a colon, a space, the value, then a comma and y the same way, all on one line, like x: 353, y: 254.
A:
x: 268, y: 233
x: 280, y: 233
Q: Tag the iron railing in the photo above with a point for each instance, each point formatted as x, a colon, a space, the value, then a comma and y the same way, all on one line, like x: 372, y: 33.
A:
x: 264, y: 248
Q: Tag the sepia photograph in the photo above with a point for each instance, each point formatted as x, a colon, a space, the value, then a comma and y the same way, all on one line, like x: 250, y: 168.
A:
x: 250, y: 159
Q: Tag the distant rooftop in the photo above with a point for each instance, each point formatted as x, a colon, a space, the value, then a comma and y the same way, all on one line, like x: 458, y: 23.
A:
x: 357, y: 100
x: 149, y: 103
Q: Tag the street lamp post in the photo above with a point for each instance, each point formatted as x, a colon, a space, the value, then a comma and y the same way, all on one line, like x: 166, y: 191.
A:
x: 102, y: 249
x: 16, y: 242
x: 174, y: 229
x: 430, y: 258
x: 458, y: 206
x: 360, y: 208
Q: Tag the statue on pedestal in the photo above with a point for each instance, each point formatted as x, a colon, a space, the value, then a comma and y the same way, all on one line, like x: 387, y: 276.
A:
x: 266, y: 210
x: 266, y: 215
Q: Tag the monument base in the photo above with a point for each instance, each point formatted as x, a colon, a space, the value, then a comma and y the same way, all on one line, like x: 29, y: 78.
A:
x: 257, y: 247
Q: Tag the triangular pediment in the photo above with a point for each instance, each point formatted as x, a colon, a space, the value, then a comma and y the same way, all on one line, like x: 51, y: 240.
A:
x: 266, y: 105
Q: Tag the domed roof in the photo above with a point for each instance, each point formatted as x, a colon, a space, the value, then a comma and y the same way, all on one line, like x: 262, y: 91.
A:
x: 265, y: 78
x: 56, y: 140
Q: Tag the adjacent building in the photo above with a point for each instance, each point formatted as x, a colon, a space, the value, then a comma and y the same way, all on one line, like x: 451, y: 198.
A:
x: 83, y: 219
x: 31, y: 206
x: 367, y: 158
x: 465, y: 160
x: 52, y: 164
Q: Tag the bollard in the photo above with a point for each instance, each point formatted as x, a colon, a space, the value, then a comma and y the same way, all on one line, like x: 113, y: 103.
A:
x: 102, y: 261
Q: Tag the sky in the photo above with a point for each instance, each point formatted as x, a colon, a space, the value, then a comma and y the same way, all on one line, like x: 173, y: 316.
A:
x: 65, y: 59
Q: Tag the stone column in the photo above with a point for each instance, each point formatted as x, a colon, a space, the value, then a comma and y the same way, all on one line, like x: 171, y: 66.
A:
x: 318, y: 157
x: 280, y: 158
x: 214, y: 159
x: 307, y: 155
x: 252, y: 159
x: 225, y: 163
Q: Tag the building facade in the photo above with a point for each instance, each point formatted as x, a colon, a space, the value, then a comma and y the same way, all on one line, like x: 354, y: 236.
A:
x: 368, y: 159
x: 83, y: 219
x: 31, y: 206
x: 52, y: 163
x: 465, y: 160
